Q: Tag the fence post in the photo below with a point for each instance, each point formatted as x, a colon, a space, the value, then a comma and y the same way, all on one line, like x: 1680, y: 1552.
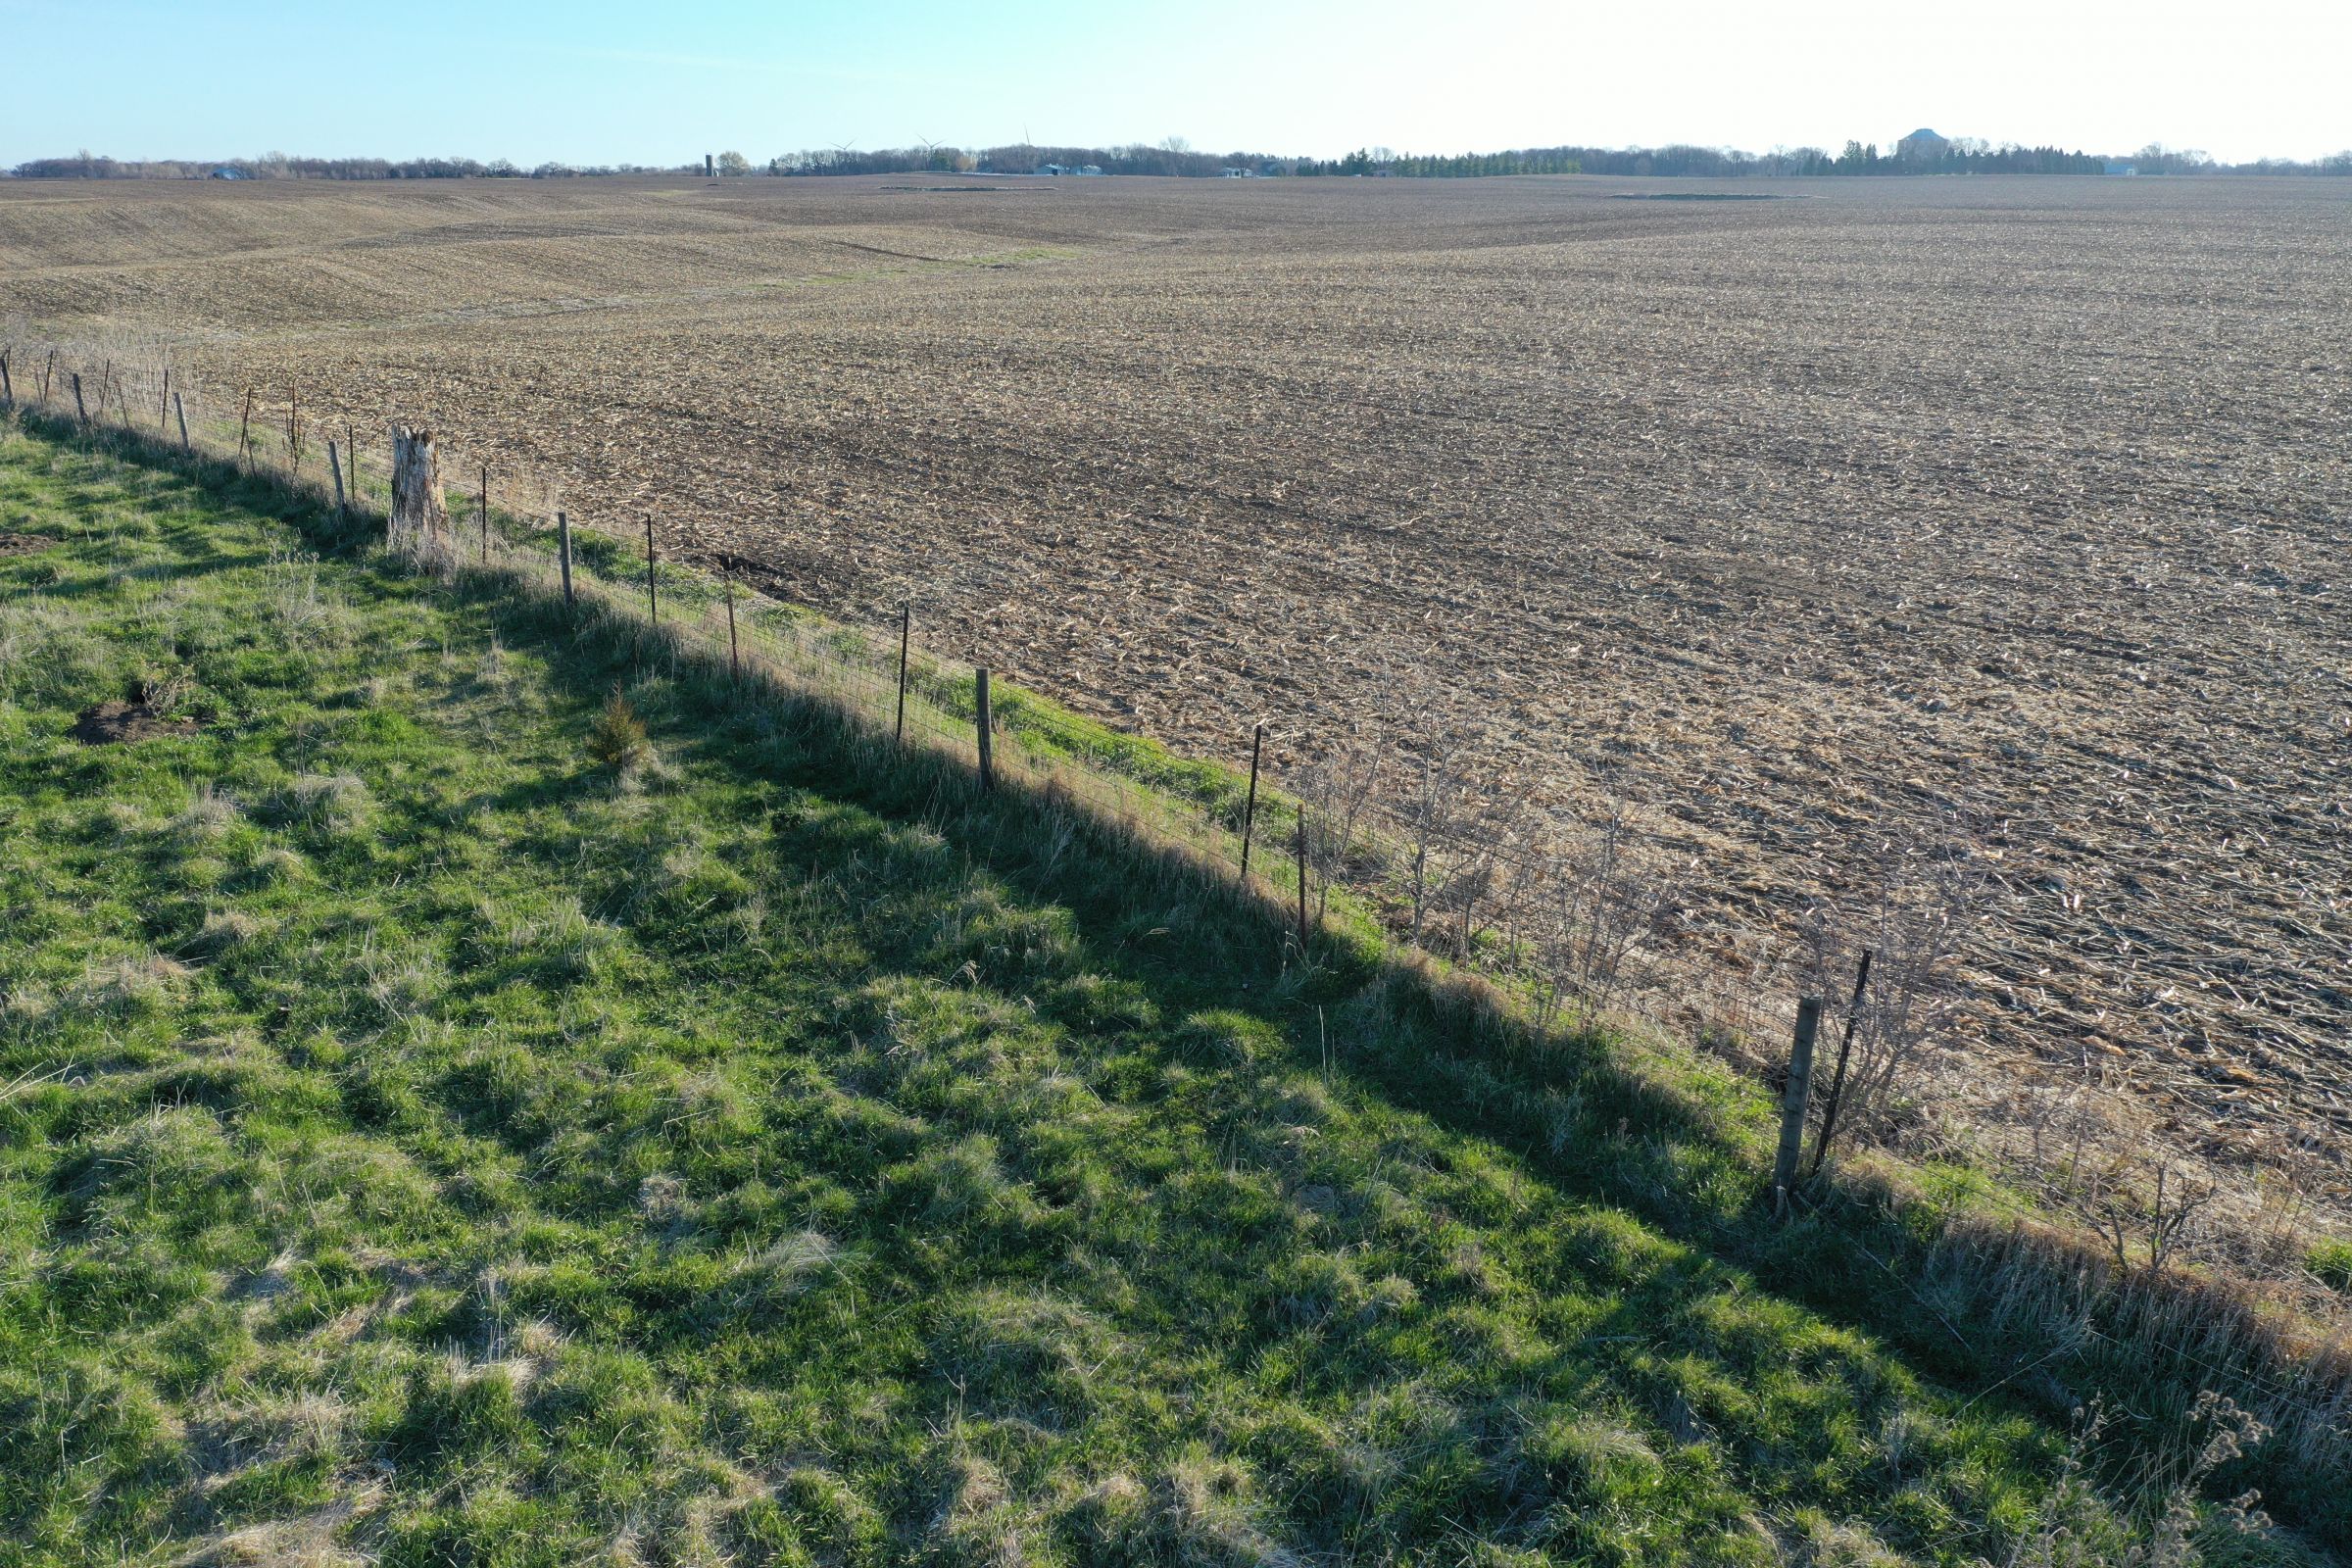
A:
x: 906, y: 629
x: 564, y: 556
x: 734, y: 654
x: 653, y: 599
x: 334, y: 463
x: 163, y: 410
x: 181, y: 411
x: 984, y: 725
x: 1845, y: 1049
x: 417, y: 504
x: 8, y: 390
x: 80, y: 408
x: 1302, y: 880
x: 293, y: 445
x: 1793, y: 1100
x: 1257, y: 744
x: 245, y: 432
x: 48, y: 366
x: 485, y: 514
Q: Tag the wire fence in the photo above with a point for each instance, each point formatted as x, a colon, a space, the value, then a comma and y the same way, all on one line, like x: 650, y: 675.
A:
x: 1588, y: 922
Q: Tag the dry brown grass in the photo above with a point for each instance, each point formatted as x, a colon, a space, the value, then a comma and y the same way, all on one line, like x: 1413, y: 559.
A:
x: 1990, y: 513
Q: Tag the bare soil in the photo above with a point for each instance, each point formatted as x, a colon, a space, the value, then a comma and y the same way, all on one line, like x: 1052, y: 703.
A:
x: 117, y: 722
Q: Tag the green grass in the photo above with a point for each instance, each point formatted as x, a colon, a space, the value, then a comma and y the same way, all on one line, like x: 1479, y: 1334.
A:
x: 420, y: 1141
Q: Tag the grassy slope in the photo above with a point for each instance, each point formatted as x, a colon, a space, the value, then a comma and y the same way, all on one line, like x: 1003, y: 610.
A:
x: 413, y: 1137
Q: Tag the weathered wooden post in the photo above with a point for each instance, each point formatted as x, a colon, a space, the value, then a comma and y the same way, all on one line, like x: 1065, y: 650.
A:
x: 163, y: 410
x: 180, y: 409
x: 906, y: 629
x: 1794, y: 1099
x: 334, y: 463
x: 984, y: 726
x: 79, y: 407
x: 652, y: 595
x: 8, y: 390
x: 245, y: 433
x: 485, y: 514
x: 1302, y: 880
x: 734, y: 654
x: 48, y: 367
x: 1845, y: 1049
x: 419, y: 514
x: 1257, y: 745
x: 564, y: 556
x: 293, y: 438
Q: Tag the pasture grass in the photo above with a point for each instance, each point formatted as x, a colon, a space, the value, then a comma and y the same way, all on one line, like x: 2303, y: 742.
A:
x: 422, y: 1142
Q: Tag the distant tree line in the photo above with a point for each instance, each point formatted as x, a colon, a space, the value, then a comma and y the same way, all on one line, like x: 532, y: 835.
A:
x: 1178, y: 158
x: 278, y: 165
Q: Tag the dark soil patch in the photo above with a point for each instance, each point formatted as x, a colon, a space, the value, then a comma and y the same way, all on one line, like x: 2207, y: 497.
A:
x: 25, y: 544
x: 119, y: 722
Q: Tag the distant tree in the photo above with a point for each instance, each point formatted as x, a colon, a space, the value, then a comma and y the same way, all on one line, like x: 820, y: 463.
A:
x: 734, y: 163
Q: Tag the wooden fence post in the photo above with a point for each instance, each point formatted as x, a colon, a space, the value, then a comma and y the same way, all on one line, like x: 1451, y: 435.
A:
x: 293, y: 439
x: 8, y: 390
x: 1845, y: 1049
x: 906, y: 629
x: 418, y: 509
x: 485, y: 514
x: 47, y: 367
x: 734, y: 654
x: 1302, y: 880
x: 245, y: 433
x: 180, y: 409
x: 162, y: 405
x: 1257, y: 744
x: 334, y: 463
x: 80, y: 408
x: 564, y: 556
x: 653, y: 597
x: 984, y: 725
x: 1793, y: 1100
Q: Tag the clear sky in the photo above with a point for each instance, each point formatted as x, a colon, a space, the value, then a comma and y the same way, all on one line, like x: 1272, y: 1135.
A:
x: 637, y: 80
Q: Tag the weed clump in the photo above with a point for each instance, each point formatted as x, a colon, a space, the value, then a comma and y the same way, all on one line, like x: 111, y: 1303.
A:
x: 619, y: 740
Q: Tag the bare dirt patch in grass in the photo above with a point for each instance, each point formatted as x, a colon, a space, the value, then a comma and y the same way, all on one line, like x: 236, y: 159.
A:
x: 117, y: 722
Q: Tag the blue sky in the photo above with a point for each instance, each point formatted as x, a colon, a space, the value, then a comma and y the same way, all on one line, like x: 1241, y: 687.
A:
x: 608, y: 82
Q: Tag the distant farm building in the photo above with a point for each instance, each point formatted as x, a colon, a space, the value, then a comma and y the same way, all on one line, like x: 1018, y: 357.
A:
x: 1070, y: 168
x: 1921, y: 146
x: 2120, y: 165
x: 226, y: 174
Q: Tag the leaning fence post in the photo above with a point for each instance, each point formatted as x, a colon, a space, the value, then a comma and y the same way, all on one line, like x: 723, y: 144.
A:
x: 180, y: 409
x: 1845, y: 1049
x: 564, y: 556
x: 8, y: 391
x: 245, y: 432
x: 334, y: 463
x: 485, y: 514
x: 734, y: 654
x: 1793, y: 1100
x: 906, y: 629
x: 984, y: 725
x: 1257, y: 744
x: 80, y: 408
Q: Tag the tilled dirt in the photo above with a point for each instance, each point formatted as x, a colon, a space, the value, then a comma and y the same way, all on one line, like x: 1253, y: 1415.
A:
x: 2007, y: 513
